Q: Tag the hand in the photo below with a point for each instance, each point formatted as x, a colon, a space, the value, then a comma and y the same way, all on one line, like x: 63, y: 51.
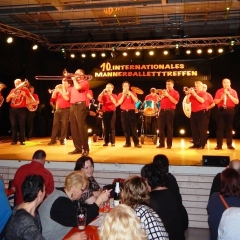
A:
x: 78, y: 236
x: 103, y: 197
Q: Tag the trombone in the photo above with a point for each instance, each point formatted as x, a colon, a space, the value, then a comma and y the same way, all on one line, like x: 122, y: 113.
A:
x: 65, y: 74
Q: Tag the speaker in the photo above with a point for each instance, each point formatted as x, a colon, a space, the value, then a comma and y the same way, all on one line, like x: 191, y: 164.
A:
x: 215, y: 161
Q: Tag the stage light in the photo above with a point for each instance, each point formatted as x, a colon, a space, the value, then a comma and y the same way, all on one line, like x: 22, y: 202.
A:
x: 220, y: 50
x: 232, y: 43
x: 233, y: 132
x: 35, y: 47
x: 124, y: 54
x: 103, y: 54
x: 63, y: 50
x: 72, y: 55
x: 209, y: 50
x: 89, y: 130
x: 207, y: 132
x: 151, y: 53
x: 177, y: 45
x: 114, y: 52
x: 199, y: 51
x: 188, y: 52
x: 182, y: 131
x: 93, y: 55
x: 137, y: 53
x: 83, y: 55
x: 9, y: 40
x: 165, y: 52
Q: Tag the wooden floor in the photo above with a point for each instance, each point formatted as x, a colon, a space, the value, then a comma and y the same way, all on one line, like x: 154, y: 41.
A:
x: 180, y: 154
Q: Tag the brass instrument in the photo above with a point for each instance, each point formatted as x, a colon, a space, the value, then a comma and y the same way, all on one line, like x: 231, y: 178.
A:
x: 17, y: 100
x: 58, y: 87
x: 187, y: 89
x: 65, y: 74
x: 31, y: 103
x: 160, y: 93
x: 2, y: 86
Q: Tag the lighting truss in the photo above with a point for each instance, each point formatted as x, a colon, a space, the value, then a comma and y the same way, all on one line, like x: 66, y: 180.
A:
x: 23, y: 34
x: 146, y: 44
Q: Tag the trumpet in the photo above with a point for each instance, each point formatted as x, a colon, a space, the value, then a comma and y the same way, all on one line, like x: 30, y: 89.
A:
x: 65, y: 74
x: 58, y: 87
x: 187, y: 89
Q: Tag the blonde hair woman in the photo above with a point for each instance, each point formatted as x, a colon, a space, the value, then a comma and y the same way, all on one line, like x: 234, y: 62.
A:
x: 58, y: 212
x: 122, y: 223
x: 135, y: 194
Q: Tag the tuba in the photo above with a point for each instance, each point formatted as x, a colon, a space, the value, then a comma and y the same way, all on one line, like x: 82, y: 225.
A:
x: 17, y: 100
x: 31, y: 103
x: 2, y: 86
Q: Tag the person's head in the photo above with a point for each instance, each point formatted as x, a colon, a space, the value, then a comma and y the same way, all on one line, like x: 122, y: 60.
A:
x: 39, y: 156
x: 154, y: 175
x: 135, y: 192
x: 198, y: 86
x: 75, y: 184
x: 31, y: 89
x: 67, y: 83
x: 169, y: 84
x: 204, y: 87
x: 226, y: 83
x: 122, y: 223
x: 81, y: 74
x: 33, y: 189
x: 230, y: 183
x: 125, y: 85
x: 17, y: 82
x: 153, y: 91
x: 85, y: 164
x: 163, y: 160
x: 235, y: 164
x: 109, y: 87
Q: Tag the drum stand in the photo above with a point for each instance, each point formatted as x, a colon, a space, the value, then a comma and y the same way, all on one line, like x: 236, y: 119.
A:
x: 142, y: 137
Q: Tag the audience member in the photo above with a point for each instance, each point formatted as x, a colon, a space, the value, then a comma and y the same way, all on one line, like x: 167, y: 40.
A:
x: 163, y: 201
x: 229, y: 225
x: 86, y: 164
x: 135, y: 194
x: 35, y: 167
x: 229, y: 196
x: 122, y: 223
x: 216, y: 185
x: 58, y: 212
x: 5, y: 209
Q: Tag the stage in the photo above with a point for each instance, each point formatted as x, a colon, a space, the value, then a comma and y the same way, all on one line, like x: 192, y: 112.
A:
x: 179, y: 155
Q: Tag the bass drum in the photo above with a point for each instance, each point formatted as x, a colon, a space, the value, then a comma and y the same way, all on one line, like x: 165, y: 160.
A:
x: 149, y: 108
x: 186, y: 107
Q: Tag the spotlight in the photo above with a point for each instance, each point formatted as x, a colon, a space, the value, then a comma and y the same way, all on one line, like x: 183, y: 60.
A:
x: 124, y: 54
x: 63, y: 50
x: 35, y: 47
x: 93, y: 55
x: 209, y: 50
x: 165, y: 52
x: 182, y: 131
x: 9, y: 40
x: 72, y: 55
x: 220, y: 50
x: 151, y: 53
x: 89, y: 130
x: 83, y: 55
x: 233, y: 132
x: 188, y: 52
x: 103, y: 54
x: 137, y: 53
x: 114, y: 52
x: 199, y: 51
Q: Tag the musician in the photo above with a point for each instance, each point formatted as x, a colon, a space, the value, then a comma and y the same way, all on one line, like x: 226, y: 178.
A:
x: 209, y: 105
x: 127, y: 100
x: 31, y: 110
x: 109, y: 100
x: 78, y: 113
x: 150, y: 121
x: 197, y: 97
x: 18, y: 112
x: 62, y: 113
x: 226, y: 98
x: 169, y: 99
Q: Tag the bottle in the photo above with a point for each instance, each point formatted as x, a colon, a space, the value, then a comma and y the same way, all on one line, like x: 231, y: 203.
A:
x: 116, y: 194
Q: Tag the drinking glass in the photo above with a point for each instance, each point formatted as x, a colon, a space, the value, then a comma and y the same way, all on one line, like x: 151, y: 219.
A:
x: 81, y: 218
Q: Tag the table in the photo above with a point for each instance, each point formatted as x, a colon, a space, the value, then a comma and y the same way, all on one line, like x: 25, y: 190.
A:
x: 91, y: 231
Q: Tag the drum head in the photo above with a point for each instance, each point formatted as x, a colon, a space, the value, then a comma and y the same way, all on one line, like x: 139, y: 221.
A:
x: 186, y: 107
x: 148, y: 111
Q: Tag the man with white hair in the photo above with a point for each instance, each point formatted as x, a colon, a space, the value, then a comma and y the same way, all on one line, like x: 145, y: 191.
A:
x: 18, y: 110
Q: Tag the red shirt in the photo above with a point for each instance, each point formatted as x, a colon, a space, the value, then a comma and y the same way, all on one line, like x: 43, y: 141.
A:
x: 79, y: 95
x: 151, y: 98
x: 166, y: 103
x: 61, y: 102
x: 196, y: 105
x: 108, y: 105
x: 30, y: 169
x: 128, y: 102
x: 20, y: 101
x: 229, y: 102
x: 208, y: 100
x: 35, y: 96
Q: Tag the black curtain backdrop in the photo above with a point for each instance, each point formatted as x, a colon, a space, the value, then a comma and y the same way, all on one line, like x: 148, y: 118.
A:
x: 18, y: 60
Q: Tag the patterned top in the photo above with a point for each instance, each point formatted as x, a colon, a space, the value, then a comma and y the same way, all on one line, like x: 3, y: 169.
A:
x: 93, y: 186
x: 151, y: 223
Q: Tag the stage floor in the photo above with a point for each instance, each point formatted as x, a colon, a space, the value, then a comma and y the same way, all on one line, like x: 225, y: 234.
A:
x: 179, y: 155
